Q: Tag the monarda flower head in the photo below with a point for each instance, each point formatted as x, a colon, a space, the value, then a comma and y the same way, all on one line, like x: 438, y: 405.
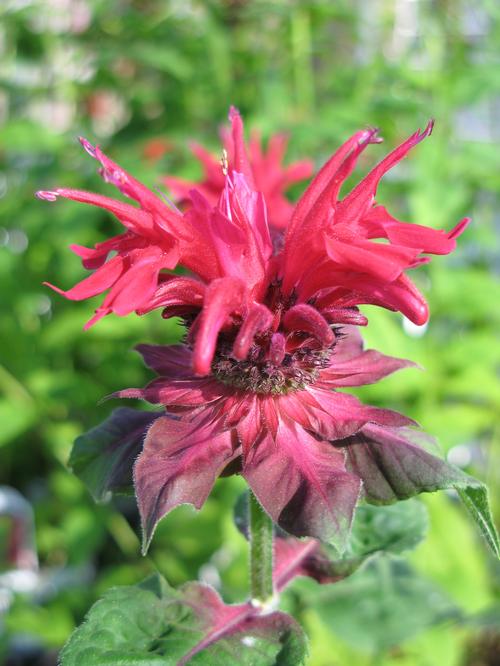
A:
x: 271, y: 338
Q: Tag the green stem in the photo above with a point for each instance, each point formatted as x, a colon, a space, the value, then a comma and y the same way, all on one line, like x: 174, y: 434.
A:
x: 261, y: 551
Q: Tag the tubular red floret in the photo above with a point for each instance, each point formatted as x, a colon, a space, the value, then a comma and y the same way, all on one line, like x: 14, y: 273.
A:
x: 305, y: 318
x: 223, y: 297
x: 257, y: 320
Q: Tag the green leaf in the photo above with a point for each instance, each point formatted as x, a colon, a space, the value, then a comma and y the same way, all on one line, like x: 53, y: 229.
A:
x: 376, y: 529
x: 382, y: 605
x: 104, y: 456
x: 152, y: 624
x: 475, y: 498
x: 395, y: 466
x: 395, y: 528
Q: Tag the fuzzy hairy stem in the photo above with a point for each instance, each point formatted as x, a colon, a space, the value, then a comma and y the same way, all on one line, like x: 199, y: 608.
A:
x: 261, y: 551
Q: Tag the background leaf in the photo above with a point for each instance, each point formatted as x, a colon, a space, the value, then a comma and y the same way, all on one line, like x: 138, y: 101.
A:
x: 383, y: 604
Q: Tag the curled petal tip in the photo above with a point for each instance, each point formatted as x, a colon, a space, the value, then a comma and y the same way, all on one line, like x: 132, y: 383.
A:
x: 233, y: 113
x: 428, y: 130
x: 54, y: 288
x: 370, y: 136
x: 459, y: 228
x: 420, y: 314
x: 115, y: 177
x: 47, y: 195
x: 90, y: 149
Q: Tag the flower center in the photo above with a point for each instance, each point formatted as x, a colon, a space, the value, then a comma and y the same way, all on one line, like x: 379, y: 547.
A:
x: 257, y: 374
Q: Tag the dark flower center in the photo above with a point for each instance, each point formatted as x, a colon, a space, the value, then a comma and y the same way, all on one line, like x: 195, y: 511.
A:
x: 256, y: 374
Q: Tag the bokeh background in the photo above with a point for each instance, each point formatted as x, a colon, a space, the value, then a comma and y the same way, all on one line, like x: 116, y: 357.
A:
x: 142, y: 78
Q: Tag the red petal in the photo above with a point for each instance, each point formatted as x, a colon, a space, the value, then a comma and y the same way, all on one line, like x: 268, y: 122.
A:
x: 240, y: 163
x: 367, y: 368
x: 305, y: 318
x: 103, y: 278
x: 385, y: 262
x: 170, y: 361
x: 223, y: 297
x: 357, y: 202
x: 176, y: 291
x: 258, y: 320
x: 135, y: 219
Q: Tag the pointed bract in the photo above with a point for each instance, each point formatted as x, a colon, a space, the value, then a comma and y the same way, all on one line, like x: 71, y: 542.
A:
x: 178, y: 465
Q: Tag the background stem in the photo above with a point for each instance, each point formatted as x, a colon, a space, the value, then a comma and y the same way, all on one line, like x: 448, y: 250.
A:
x: 261, y: 551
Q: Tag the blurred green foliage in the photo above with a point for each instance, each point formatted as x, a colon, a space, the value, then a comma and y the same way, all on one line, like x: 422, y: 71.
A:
x: 143, y: 77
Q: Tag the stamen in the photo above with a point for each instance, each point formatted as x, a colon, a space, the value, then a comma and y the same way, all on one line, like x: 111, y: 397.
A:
x: 277, y: 349
x: 258, y: 319
x: 224, y: 162
x: 303, y: 317
x: 166, y: 200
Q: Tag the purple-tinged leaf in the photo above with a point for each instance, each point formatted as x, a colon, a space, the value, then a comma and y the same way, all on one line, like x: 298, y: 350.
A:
x: 171, y: 361
x: 153, y: 624
x: 103, y: 457
x: 178, y: 465
x: 296, y: 557
x: 393, y: 465
x: 376, y: 529
x: 303, y: 485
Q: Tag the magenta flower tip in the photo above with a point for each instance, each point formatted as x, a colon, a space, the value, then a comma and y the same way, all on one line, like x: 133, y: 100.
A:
x: 233, y: 113
x: 54, y: 288
x: 91, y: 150
x: 423, y: 134
x: 459, y: 228
x: 47, y: 195
x: 370, y: 136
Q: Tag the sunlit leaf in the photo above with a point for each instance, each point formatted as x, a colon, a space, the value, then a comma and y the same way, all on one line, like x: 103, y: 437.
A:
x: 152, y: 623
x: 382, y: 605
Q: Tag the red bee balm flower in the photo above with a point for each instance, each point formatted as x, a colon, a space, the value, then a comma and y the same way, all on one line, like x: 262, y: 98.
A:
x: 328, y: 263
x: 269, y: 175
x: 270, y: 340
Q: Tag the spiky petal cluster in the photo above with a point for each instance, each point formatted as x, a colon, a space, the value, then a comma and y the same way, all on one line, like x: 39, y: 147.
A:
x: 330, y: 263
x: 266, y: 173
x: 270, y: 339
